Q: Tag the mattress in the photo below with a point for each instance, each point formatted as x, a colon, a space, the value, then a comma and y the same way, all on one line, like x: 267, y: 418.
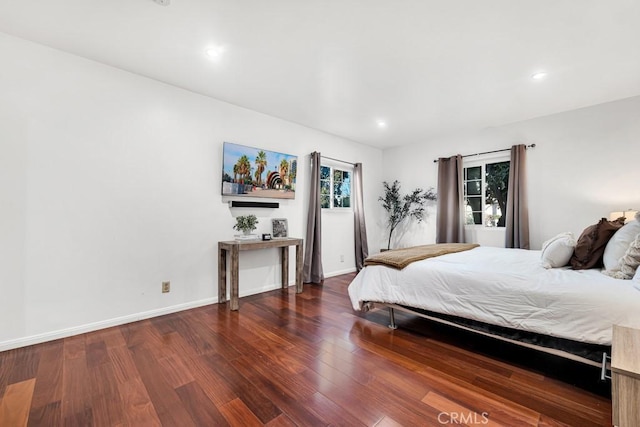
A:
x: 508, y: 288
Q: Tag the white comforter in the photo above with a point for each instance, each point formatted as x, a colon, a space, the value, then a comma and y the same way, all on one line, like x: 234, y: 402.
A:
x: 507, y: 287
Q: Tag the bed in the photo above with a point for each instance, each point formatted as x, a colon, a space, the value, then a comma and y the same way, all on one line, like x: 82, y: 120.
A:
x: 506, y: 293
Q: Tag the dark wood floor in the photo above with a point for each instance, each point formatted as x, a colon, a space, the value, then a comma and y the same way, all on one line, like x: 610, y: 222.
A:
x: 287, y: 359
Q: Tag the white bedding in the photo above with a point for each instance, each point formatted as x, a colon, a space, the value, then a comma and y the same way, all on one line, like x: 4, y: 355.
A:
x: 507, y: 287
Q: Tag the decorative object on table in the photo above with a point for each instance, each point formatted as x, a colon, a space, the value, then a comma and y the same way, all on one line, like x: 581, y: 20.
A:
x: 252, y: 172
x: 244, y: 237
x: 266, y: 236
x: 280, y: 228
x: 399, y: 207
x: 246, y: 224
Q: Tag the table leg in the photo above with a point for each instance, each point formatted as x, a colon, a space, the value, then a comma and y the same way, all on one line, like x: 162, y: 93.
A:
x: 285, y: 266
x: 222, y: 275
x: 234, y: 277
x: 298, y: 268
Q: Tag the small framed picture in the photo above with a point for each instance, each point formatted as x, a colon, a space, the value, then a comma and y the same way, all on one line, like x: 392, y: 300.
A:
x: 280, y: 228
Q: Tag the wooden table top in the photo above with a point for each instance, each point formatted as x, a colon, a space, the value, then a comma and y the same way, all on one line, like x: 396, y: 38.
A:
x: 625, y: 351
x: 245, y: 245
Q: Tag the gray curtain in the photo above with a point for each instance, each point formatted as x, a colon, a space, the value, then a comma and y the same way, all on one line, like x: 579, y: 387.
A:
x: 312, y: 267
x: 449, y: 224
x: 517, y: 224
x: 360, y: 228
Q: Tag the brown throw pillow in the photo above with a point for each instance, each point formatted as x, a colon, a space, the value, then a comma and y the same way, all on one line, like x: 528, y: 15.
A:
x: 590, y: 247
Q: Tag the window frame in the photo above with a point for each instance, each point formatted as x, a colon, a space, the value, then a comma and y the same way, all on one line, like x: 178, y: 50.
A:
x: 482, y: 161
x: 343, y: 168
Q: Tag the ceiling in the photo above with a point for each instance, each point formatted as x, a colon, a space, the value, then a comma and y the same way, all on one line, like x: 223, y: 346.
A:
x: 425, y: 67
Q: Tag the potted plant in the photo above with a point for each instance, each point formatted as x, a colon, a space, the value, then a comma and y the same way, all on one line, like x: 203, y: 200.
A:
x: 401, y: 207
x: 246, y: 223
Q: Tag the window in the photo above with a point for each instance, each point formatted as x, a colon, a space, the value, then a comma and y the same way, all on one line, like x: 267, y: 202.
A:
x: 335, y: 188
x: 485, y: 193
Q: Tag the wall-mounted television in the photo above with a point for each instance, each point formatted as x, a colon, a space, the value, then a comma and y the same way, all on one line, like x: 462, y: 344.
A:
x: 255, y: 172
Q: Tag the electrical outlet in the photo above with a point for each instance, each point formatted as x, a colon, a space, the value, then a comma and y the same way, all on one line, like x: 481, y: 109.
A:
x: 166, y: 287
x: 341, y: 258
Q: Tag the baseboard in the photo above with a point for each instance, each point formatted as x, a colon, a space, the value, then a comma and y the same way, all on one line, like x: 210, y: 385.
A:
x: 90, y: 327
x: 340, y: 272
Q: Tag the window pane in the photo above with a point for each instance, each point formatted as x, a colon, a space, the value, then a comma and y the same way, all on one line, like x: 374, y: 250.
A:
x: 346, y: 176
x: 468, y: 216
x: 325, y: 190
x: 492, y: 219
x: 477, y: 218
x: 474, y: 172
x: 337, y: 175
x: 325, y: 172
x: 346, y: 201
x: 497, y: 183
x: 325, y: 187
x: 475, y: 203
x: 337, y: 188
x: 337, y: 194
x: 345, y: 186
x: 474, y: 188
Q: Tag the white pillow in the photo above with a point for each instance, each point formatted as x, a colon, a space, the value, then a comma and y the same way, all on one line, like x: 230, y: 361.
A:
x: 618, y: 245
x: 557, y: 251
x: 554, y: 238
x: 628, y: 265
x: 636, y: 279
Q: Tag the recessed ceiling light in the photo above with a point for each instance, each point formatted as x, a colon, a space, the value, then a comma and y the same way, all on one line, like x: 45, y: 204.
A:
x: 539, y: 75
x: 214, y: 52
x: 381, y: 124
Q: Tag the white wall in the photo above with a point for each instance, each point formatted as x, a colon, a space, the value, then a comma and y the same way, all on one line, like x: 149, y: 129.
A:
x: 110, y: 184
x: 585, y: 165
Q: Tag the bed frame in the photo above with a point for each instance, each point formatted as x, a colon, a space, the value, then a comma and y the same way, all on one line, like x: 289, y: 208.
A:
x: 604, y: 364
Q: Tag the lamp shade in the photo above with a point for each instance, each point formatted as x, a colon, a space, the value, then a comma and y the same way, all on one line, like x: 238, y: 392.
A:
x: 628, y: 215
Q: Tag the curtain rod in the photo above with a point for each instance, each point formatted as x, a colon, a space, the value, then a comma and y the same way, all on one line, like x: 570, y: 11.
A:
x: 490, y: 152
x: 338, y: 160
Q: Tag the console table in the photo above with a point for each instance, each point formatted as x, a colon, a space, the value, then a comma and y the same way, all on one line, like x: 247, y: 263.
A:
x: 234, y: 247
